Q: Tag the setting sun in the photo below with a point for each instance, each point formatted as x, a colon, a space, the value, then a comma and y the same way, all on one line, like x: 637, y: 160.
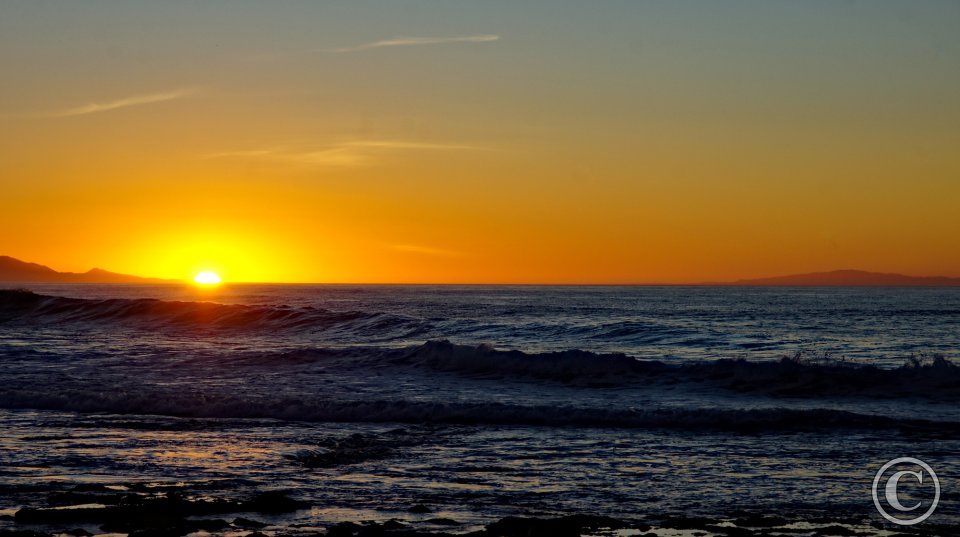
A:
x: 206, y: 278
x: 251, y: 250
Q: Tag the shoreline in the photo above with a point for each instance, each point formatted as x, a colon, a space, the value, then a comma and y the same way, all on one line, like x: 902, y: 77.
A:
x: 145, y: 510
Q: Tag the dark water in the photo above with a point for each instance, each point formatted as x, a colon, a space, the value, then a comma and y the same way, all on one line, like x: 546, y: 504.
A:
x: 482, y: 402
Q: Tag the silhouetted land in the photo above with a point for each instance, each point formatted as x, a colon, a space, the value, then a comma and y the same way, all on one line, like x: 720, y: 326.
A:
x: 861, y: 278
x: 15, y: 270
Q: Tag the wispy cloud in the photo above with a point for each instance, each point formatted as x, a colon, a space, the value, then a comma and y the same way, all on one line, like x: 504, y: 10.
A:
x: 352, y: 153
x: 400, y: 144
x: 419, y: 41
x: 126, y: 102
x: 333, y: 156
x: 426, y: 250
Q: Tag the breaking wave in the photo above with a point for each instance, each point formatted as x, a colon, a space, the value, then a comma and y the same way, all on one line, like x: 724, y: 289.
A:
x: 194, y: 405
x: 27, y: 307
x: 933, y: 379
x: 936, y: 378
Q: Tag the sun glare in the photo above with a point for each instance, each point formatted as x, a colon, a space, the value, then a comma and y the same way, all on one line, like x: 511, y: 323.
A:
x: 206, y: 278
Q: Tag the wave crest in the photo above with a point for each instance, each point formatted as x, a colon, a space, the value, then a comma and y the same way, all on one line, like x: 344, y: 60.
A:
x: 937, y: 378
x: 193, y: 405
x: 19, y: 306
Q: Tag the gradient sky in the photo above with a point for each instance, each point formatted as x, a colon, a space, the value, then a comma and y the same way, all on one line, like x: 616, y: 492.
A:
x: 486, y: 141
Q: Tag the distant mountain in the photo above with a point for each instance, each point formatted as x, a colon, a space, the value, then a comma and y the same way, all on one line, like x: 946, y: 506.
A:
x: 853, y: 278
x: 15, y: 271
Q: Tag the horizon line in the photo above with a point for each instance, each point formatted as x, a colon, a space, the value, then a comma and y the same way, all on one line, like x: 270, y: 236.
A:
x: 188, y: 282
x: 762, y: 281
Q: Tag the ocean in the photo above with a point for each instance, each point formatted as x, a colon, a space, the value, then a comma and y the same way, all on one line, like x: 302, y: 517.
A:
x: 307, y: 408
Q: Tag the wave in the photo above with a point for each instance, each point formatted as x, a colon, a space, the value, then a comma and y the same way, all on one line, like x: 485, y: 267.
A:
x: 570, y: 366
x: 199, y: 406
x: 936, y: 378
x: 27, y: 307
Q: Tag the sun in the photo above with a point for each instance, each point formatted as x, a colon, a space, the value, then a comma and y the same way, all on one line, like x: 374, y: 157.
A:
x: 206, y: 278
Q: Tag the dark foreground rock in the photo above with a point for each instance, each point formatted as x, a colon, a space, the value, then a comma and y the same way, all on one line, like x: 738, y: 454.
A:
x: 168, y: 515
x: 157, y: 510
x: 569, y: 526
x: 587, y: 525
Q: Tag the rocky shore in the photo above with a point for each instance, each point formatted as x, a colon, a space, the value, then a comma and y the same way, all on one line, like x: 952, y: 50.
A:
x: 150, y: 510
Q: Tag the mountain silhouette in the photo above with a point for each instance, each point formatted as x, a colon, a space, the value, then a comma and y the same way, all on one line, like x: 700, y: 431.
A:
x: 13, y: 270
x: 17, y: 271
x: 852, y: 278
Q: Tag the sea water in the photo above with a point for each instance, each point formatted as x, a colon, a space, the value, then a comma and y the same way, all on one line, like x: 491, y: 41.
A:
x: 481, y: 402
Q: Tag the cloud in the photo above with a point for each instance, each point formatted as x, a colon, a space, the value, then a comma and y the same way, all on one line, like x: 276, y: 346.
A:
x: 352, y: 153
x: 335, y: 156
x: 126, y: 102
x: 426, y: 250
x: 396, y: 144
x: 419, y: 41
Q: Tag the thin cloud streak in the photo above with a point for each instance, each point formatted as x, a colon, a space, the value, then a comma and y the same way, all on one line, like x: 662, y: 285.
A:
x: 419, y: 41
x: 338, y: 156
x: 126, y: 102
x: 354, y: 153
x: 399, y: 144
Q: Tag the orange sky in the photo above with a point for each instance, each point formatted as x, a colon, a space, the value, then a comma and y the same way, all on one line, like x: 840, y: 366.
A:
x: 484, y: 142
